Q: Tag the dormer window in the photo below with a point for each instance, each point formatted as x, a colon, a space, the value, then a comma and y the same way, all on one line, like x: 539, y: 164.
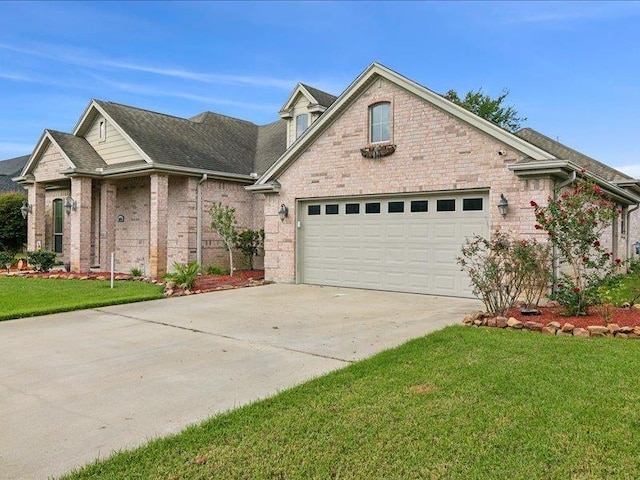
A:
x: 102, y: 130
x: 302, y: 123
x: 380, y: 122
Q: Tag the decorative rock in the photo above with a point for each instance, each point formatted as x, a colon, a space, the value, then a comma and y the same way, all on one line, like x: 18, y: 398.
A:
x: 477, y: 323
x: 54, y: 276
x: 621, y: 335
x: 548, y: 331
x: 492, y: 322
x: 636, y: 330
x: 535, y: 326
x: 514, y: 323
x: 633, y: 336
x: 84, y: 277
x: 613, y: 328
x: 568, y: 327
x: 581, y: 332
x: 597, y: 330
x: 188, y: 292
x: 560, y: 332
x: 170, y: 285
x: 120, y: 277
x: 168, y: 292
x: 626, y: 305
x: 501, y: 322
x: 467, y: 320
x: 626, y: 329
x: 100, y: 277
x: 636, y: 306
x: 554, y: 325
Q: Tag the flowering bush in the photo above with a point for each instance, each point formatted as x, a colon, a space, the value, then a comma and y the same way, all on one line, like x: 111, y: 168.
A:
x: 574, y: 223
x: 500, y: 269
x: 534, y: 264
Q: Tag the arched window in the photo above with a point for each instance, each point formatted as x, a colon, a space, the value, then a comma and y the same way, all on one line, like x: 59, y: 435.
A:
x: 57, y: 225
x: 380, y: 122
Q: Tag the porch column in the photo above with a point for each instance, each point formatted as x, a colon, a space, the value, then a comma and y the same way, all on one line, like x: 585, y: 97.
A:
x: 107, y: 223
x: 158, y: 212
x: 36, y: 218
x: 80, y: 229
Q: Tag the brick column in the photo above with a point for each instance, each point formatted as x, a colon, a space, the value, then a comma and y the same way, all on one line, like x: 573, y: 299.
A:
x: 107, y: 223
x: 158, y: 212
x: 37, y: 216
x: 80, y: 230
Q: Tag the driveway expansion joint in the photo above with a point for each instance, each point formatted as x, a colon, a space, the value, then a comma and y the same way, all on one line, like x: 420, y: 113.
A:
x: 228, y: 337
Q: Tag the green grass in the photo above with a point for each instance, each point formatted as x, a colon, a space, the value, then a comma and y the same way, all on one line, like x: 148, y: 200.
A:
x: 459, y: 403
x: 26, y: 297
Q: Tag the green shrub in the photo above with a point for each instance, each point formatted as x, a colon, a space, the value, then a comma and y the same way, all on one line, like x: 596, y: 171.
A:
x: 216, y: 270
x: 13, y: 228
x: 249, y: 243
x: 42, y: 260
x: 6, y: 259
x: 184, y: 275
x: 136, y: 272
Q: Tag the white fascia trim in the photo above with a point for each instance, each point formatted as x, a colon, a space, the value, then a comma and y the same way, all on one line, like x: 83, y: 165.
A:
x: 268, y: 188
x: 422, y: 92
x: 39, y: 150
x: 551, y: 167
x: 158, y: 167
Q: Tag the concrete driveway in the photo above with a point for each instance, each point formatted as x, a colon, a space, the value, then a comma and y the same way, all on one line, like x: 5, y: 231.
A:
x: 79, y: 385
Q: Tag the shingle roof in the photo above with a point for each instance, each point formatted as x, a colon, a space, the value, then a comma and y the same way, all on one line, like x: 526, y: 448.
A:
x: 11, y: 168
x: 207, y: 141
x: 79, y: 151
x: 563, y: 152
x: 325, y: 99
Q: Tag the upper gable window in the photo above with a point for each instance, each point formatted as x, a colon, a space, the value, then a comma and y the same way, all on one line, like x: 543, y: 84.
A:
x: 302, y: 123
x: 102, y: 130
x: 380, y: 122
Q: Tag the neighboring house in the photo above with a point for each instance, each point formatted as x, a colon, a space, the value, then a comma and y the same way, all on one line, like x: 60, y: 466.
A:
x: 377, y: 188
x: 9, y: 169
x: 382, y: 190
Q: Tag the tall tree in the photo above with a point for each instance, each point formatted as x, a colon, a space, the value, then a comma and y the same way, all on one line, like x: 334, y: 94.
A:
x: 489, y: 108
x: 13, y: 228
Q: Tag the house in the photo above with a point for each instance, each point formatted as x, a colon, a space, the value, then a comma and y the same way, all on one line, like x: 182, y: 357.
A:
x: 377, y: 188
x: 382, y: 190
x: 9, y: 169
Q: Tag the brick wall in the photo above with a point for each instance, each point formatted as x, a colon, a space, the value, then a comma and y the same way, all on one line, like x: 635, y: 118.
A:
x: 434, y: 152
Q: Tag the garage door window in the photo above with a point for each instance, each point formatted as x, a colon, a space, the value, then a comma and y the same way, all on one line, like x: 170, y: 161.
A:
x: 372, y: 207
x: 448, y: 205
x: 472, y: 204
x: 313, y: 210
x: 396, y: 207
x: 352, y: 208
x: 419, y: 206
x: 331, y: 209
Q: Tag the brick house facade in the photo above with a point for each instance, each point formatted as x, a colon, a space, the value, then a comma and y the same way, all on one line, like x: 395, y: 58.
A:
x: 141, y: 183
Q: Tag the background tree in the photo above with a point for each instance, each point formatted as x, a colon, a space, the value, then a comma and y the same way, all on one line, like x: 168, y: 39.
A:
x: 223, y: 221
x: 13, y: 228
x: 491, y: 109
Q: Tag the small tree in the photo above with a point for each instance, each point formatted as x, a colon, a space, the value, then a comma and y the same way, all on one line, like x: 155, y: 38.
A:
x: 534, y: 261
x: 574, y: 223
x: 13, y: 228
x: 249, y: 243
x: 223, y: 221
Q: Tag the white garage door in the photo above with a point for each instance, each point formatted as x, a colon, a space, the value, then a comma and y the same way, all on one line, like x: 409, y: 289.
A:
x: 400, y: 243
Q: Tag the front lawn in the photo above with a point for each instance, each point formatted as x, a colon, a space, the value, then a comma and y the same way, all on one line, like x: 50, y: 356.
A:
x: 26, y: 297
x: 459, y: 403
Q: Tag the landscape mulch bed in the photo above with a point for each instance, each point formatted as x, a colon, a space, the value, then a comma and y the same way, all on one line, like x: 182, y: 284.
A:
x: 624, y: 317
x: 204, y: 283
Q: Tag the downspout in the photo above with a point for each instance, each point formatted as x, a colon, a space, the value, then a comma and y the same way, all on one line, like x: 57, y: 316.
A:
x: 554, y: 251
x: 199, y: 219
x: 628, y: 232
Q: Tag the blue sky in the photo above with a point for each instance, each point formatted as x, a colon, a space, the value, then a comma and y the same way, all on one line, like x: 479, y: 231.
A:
x: 573, y: 69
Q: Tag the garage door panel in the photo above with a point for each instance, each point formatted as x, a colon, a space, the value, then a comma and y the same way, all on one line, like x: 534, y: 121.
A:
x: 407, y: 251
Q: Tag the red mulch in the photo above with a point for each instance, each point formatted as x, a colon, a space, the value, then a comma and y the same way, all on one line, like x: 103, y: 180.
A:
x: 624, y: 317
x: 240, y: 278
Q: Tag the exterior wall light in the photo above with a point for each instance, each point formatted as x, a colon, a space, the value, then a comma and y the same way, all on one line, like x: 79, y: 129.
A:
x: 25, y: 209
x: 503, y: 205
x: 69, y: 205
x: 283, y: 212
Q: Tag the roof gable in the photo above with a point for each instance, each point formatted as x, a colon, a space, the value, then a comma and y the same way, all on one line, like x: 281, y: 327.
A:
x: 366, y: 78
x: 316, y: 98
